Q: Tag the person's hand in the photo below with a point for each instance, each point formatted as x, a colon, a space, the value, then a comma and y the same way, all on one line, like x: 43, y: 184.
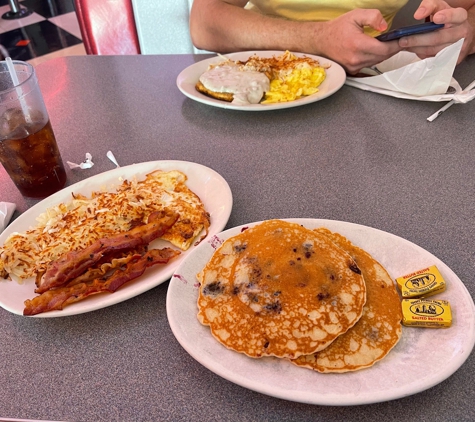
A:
x: 456, y: 27
x: 345, y: 42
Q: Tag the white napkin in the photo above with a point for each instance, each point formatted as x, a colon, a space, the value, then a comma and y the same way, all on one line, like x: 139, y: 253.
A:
x: 110, y: 156
x: 6, y: 212
x: 407, y: 76
x: 86, y: 164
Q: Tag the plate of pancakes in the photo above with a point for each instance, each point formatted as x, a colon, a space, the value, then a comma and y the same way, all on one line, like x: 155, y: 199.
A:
x: 307, y: 310
x: 188, y: 79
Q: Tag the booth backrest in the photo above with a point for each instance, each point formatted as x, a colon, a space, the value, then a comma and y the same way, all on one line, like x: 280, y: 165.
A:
x: 107, y: 27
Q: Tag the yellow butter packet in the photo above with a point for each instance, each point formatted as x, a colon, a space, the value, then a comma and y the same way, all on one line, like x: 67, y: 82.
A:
x: 425, y: 282
x: 426, y: 313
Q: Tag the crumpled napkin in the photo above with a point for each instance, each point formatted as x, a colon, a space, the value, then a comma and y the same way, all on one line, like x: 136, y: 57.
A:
x: 6, y: 212
x: 407, y: 76
x: 86, y: 164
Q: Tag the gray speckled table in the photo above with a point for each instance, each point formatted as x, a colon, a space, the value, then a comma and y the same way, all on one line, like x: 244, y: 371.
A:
x: 356, y: 156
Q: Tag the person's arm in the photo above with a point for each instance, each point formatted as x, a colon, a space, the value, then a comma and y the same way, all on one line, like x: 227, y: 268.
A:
x: 225, y: 26
x: 459, y: 19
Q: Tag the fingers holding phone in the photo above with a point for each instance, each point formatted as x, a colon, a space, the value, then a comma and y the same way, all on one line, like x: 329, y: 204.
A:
x: 345, y: 41
x: 440, y: 11
x: 456, y: 26
x: 429, y: 44
x: 407, y: 31
x: 418, y: 39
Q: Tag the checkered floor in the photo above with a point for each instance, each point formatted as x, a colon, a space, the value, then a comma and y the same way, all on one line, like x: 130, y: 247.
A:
x: 51, y: 27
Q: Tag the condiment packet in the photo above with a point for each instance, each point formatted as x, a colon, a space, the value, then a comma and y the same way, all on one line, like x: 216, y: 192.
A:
x: 406, y: 76
x: 86, y: 164
x: 6, y: 212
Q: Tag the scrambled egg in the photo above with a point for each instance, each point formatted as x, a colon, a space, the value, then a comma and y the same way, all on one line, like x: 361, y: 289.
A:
x: 298, y: 83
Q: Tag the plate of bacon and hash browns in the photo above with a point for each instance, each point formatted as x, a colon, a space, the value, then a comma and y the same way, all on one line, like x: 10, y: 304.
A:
x: 109, y: 238
x: 288, y: 79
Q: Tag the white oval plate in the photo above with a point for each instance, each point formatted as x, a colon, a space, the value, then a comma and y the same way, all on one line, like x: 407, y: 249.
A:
x: 188, y: 78
x: 212, y: 189
x: 423, y: 357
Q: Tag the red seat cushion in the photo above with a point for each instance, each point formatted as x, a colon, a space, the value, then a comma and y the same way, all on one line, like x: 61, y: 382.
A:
x: 107, y: 27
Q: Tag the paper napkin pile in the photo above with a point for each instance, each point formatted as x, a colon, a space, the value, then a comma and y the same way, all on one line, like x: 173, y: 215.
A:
x: 406, y: 76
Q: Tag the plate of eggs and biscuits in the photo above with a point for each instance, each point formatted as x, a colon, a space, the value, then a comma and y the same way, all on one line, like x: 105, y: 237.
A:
x: 261, y: 80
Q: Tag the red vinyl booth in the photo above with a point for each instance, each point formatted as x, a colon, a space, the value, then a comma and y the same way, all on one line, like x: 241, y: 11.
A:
x: 107, y: 27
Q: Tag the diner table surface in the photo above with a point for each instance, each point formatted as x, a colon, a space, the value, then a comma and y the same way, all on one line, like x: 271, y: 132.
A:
x: 355, y: 156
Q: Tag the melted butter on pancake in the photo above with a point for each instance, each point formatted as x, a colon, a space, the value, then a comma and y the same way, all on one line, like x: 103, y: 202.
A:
x: 279, y: 289
x: 379, y: 328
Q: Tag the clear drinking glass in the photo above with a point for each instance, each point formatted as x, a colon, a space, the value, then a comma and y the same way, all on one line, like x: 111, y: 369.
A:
x: 28, y: 149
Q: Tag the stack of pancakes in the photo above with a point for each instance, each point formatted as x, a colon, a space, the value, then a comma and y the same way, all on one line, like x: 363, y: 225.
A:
x: 310, y: 296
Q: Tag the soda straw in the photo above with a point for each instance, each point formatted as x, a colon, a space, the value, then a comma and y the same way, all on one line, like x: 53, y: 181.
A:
x: 16, y: 82
x: 11, y: 69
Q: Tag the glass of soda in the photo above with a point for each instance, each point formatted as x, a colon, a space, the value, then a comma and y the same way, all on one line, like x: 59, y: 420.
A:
x: 28, y: 149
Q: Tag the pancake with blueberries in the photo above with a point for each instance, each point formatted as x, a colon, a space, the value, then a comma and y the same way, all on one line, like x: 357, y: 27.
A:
x: 379, y: 328
x: 280, y: 289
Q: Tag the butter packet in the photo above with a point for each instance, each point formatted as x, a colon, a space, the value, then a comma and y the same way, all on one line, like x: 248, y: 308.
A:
x: 426, y: 313
x: 422, y: 283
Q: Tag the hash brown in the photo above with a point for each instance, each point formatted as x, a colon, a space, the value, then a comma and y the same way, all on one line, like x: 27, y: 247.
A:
x: 78, y: 223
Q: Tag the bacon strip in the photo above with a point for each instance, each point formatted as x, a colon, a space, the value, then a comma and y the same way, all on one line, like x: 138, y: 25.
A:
x: 74, y: 263
x: 100, y: 270
x: 57, y: 299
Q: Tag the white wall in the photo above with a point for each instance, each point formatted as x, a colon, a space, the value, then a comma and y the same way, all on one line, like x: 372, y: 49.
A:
x: 163, y: 26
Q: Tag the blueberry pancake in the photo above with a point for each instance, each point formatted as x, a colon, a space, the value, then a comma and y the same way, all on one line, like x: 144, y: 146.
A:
x: 279, y: 289
x: 379, y: 328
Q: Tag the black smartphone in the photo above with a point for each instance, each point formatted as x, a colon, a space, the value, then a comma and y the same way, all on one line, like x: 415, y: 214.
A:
x: 422, y: 28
